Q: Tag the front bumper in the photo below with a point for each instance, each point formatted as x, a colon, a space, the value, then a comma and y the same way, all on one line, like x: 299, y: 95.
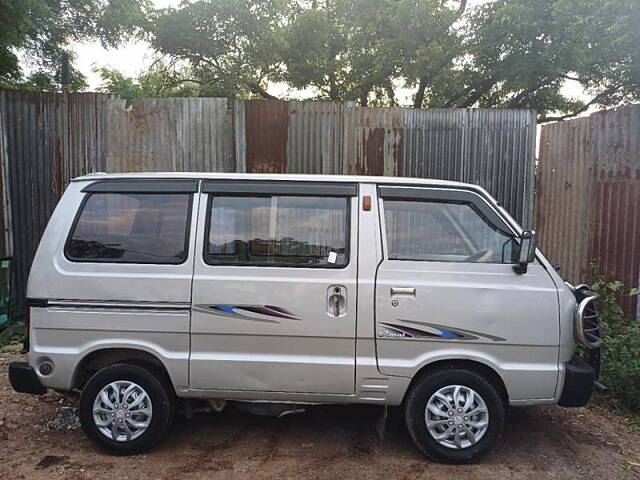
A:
x: 23, y: 379
x: 579, y: 383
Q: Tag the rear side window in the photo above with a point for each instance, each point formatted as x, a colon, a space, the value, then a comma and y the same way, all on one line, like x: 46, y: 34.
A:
x: 131, y: 228
x: 443, y: 231
x: 284, y: 231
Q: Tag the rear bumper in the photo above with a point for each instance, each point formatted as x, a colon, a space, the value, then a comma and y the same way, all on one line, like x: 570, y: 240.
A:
x: 579, y: 383
x: 23, y: 379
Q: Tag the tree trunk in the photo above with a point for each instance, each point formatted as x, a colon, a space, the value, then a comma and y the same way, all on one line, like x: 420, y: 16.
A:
x: 364, y: 97
x: 418, y: 99
x: 391, y: 94
x: 334, y: 94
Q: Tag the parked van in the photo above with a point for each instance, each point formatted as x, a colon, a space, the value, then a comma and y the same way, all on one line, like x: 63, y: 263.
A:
x: 281, y: 290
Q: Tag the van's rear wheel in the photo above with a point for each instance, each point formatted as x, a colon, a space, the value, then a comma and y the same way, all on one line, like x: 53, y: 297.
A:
x: 454, y: 415
x: 125, y: 409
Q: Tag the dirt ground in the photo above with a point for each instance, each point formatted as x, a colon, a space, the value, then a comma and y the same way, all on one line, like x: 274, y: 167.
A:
x: 329, y: 442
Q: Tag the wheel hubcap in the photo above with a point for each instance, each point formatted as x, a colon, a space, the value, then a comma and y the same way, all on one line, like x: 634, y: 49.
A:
x: 122, y: 411
x: 456, y: 417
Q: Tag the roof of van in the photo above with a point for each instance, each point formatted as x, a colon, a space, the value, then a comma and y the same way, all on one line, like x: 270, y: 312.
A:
x: 277, y: 176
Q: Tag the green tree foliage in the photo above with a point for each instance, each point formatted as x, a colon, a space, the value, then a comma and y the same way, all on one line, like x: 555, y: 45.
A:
x: 500, y: 53
x: 504, y: 53
x: 520, y: 53
x: 232, y: 46
x: 18, y: 24
x: 40, y: 31
x: 430, y: 47
x: 161, y: 80
x: 340, y: 49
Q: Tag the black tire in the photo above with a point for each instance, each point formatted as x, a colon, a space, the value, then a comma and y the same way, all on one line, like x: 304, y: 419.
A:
x: 161, y: 402
x: 416, y: 403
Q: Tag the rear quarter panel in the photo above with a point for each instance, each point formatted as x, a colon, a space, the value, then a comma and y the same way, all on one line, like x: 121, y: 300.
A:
x: 124, y: 316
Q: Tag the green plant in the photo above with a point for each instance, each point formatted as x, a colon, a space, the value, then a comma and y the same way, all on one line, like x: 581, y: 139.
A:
x: 12, y: 330
x: 621, y: 350
x: 621, y: 367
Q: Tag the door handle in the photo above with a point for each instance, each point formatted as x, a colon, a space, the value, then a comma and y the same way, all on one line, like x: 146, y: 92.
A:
x: 336, y: 301
x: 403, y: 291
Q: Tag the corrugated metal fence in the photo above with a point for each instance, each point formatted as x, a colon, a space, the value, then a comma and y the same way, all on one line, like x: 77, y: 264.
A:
x: 588, y: 196
x: 48, y: 138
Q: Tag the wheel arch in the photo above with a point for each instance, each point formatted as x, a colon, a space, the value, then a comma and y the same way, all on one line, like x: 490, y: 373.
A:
x: 103, y: 357
x: 481, y: 368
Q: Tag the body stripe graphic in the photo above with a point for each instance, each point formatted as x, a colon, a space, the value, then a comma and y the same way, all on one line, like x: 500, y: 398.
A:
x: 258, y: 313
x: 434, y: 330
x: 469, y: 333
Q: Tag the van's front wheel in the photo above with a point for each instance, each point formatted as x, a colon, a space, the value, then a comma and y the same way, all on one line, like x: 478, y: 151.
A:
x: 454, y: 415
x: 125, y: 409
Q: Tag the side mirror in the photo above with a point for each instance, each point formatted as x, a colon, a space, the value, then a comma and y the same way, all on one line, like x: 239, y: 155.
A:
x: 526, y: 252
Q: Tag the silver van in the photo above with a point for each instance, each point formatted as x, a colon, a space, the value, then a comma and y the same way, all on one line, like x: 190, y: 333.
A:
x: 275, y: 291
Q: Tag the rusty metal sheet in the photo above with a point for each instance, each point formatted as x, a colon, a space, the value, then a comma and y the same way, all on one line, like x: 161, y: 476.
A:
x: 266, y: 129
x: 588, y: 196
x: 562, y: 197
x: 614, y: 239
x: 373, y: 141
x: 172, y: 134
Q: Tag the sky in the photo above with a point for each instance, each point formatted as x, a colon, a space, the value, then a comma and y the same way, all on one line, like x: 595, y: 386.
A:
x: 133, y: 58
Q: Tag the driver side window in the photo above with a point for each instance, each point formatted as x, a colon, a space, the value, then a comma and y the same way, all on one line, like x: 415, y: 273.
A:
x: 443, y: 231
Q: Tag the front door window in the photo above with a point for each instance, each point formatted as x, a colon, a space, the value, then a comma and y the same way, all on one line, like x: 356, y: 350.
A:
x: 443, y: 231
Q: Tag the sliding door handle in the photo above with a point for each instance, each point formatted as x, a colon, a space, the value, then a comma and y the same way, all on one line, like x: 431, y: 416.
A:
x: 337, y: 301
x: 403, y: 292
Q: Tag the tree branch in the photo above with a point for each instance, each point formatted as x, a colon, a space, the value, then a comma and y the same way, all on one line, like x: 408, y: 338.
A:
x: 200, y: 58
x: 461, y: 8
x: 569, y: 77
x: 256, y: 88
x: 515, y: 101
x: 175, y: 83
x: 253, y: 86
x: 483, y: 88
x: 585, y: 107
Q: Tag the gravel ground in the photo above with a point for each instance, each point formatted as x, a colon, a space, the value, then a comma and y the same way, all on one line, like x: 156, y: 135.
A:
x: 39, y: 439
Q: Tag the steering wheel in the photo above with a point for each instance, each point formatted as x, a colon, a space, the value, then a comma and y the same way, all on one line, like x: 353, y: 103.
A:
x: 480, y: 256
